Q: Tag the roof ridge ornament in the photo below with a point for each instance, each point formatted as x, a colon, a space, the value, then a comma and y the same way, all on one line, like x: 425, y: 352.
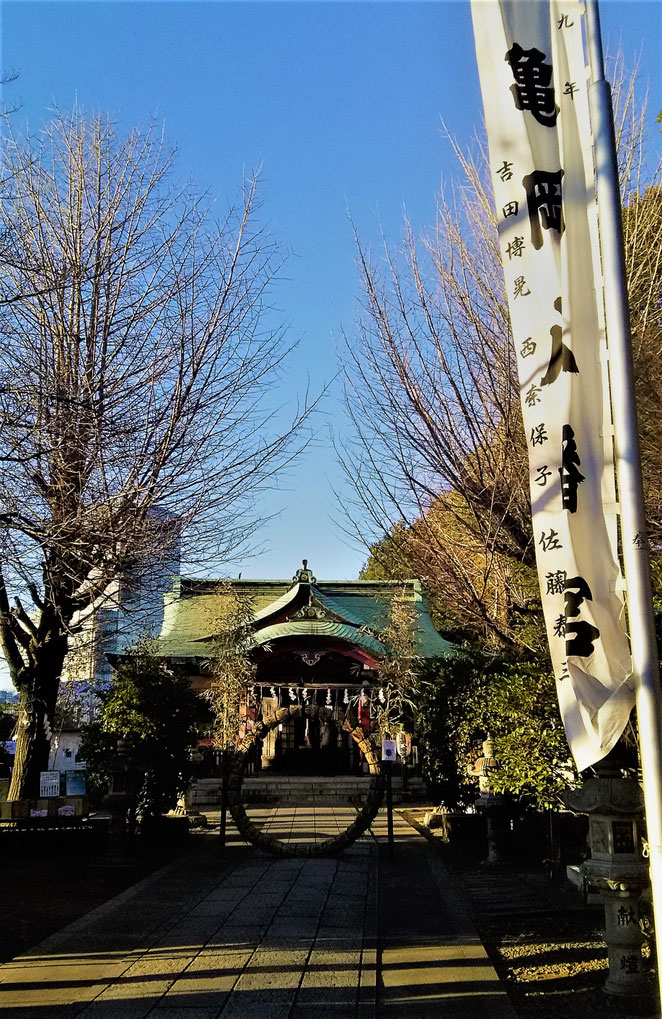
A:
x: 304, y: 576
x: 311, y: 611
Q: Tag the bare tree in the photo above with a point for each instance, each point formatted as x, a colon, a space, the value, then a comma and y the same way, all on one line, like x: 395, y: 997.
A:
x: 136, y: 378
x: 232, y: 671
x: 398, y: 670
x: 231, y: 667
x: 8, y: 78
x: 433, y: 398
x: 438, y: 457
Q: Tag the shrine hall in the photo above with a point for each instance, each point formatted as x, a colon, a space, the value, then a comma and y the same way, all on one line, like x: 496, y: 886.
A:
x: 314, y: 642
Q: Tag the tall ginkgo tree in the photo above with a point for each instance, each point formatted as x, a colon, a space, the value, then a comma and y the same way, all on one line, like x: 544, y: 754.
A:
x: 137, y: 368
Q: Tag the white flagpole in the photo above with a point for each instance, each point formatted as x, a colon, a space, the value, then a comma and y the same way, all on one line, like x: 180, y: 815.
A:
x: 628, y: 464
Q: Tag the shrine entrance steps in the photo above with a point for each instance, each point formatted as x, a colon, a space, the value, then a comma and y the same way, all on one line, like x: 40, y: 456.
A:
x: 302, y: 790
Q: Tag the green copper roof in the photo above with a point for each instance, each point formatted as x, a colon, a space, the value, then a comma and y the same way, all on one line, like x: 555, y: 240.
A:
x: 274, y: 607
x: 350, y: 611
x: 358, y: 611
x: 323, y: 628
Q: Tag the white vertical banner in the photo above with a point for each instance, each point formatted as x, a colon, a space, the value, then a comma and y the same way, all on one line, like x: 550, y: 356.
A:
x: 534, y: 83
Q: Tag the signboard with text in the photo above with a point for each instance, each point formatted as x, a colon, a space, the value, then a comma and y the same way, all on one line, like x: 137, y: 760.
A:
x: 49, y: 784
x: 75, y: 783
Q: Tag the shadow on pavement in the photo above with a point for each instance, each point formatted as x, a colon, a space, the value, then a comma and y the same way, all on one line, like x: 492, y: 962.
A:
x: 357, y: 935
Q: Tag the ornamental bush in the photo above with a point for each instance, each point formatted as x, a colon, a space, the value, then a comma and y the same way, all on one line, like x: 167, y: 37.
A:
x: 153, y: 708
x: 514, y: 701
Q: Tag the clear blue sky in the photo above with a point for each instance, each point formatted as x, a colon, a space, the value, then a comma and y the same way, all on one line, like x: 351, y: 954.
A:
x: 340, y: 103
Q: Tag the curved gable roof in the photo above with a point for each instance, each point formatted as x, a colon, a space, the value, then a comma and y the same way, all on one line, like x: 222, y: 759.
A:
x: 353, y: 612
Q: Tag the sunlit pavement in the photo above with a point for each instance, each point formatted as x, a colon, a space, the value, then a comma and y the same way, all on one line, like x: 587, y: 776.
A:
x: 362, y: 935
x: 302, y: 824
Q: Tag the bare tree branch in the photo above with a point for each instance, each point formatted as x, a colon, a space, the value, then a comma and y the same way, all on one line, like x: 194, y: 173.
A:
x: 436, y: 453
x: 137, y: 374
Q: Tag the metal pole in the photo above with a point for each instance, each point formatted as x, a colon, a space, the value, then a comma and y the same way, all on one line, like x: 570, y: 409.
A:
x: 389, y: 807
x: 224, y: 802
x: 628, y: 464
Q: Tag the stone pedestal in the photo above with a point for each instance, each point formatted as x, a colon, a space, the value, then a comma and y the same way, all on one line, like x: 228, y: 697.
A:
x: 497, y: 822
x: 120, y: 801
x: 627, y: 974
x: 618, y: 872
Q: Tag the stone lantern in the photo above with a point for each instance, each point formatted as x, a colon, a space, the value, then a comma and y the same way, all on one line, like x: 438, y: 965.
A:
x: 492, y: 805
x: 120, y: 800
x: 617, y: 870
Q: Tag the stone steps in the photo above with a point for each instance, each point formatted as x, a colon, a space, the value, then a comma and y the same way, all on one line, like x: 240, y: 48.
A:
x: 301, y: 790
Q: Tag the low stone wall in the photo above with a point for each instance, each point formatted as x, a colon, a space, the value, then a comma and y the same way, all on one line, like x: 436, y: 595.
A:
x: 50, y: 810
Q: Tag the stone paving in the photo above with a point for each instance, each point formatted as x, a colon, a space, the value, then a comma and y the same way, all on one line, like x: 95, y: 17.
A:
x: 302, y: 823
x: 431, y: 962
x: 359, y: 935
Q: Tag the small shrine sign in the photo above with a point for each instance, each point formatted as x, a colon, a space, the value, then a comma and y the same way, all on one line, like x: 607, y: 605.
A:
x: 388, y: 750
x: 49, y: 783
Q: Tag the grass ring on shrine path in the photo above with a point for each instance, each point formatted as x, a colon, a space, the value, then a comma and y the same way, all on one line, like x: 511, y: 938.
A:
x: 328, y: 847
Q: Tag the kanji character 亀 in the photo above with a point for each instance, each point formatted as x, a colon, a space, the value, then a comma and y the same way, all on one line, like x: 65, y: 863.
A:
x: 532, y: 90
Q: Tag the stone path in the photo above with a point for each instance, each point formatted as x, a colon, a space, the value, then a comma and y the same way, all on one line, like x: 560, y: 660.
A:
x: 302, y: 823
x: 360, y: 935
x: 431, y: 962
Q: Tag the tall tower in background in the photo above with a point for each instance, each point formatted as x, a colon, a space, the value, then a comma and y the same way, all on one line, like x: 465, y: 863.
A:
x: 132, y: 610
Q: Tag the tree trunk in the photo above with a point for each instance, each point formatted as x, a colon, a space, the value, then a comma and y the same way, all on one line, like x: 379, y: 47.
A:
x: 32, y: 749
x: 38, y: 697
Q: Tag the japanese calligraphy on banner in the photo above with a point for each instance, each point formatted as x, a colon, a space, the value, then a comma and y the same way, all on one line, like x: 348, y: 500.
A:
x: 534, y: 82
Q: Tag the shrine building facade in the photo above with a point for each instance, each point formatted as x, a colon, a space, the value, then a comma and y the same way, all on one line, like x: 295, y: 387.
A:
x: 314, y: 642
